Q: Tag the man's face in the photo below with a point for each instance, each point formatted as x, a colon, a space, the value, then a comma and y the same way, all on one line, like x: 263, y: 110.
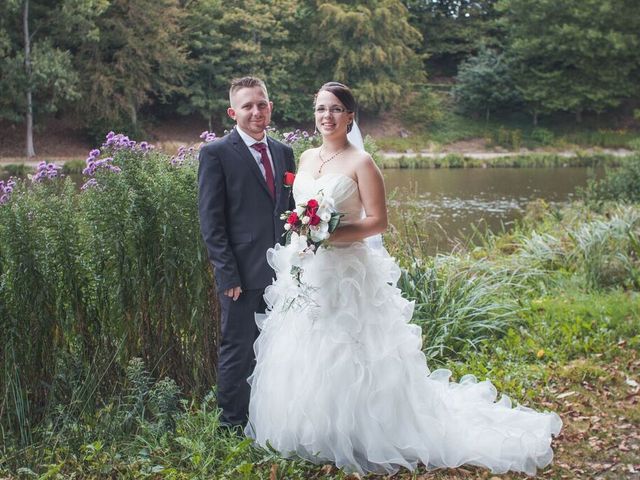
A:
x: 251, y: 109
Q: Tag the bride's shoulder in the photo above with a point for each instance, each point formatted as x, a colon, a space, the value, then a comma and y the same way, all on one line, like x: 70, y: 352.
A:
x: 310, y: 153
x: 362, y: 159
x: 365, y: 166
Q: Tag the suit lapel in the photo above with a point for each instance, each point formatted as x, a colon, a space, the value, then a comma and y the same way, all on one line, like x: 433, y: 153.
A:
x: 246, y: 156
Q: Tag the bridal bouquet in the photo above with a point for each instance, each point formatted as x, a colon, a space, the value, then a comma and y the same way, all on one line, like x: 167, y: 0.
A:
x: 312, y: 222
x: 306, y: 228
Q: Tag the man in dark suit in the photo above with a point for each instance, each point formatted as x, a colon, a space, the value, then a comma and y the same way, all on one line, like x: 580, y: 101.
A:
x: 241, y: 197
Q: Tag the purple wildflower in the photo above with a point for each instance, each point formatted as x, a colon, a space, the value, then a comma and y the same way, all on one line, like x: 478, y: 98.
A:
x: 145, y: 147
x: 291, y: 137
x: 179, y: 158
x: 208, y: 136
x: 117, y: 141
x: 6, y: 189
x: 102, y: 164
x: 45, y: 171
x: 92, y: 182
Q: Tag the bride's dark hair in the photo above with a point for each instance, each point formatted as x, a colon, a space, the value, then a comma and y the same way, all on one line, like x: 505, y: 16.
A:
x: 344, y: 95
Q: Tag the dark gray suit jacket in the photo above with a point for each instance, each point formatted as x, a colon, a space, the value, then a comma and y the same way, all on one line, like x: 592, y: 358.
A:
x: 239, y: 219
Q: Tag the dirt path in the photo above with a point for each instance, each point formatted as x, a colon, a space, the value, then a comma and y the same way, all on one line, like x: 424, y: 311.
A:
x: 487, y: 155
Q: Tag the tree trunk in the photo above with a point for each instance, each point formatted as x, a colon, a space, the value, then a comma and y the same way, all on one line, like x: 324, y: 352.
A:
x: 578, y: 116
x: 27, y: 65
x: 487, y: 115
x: 133, y: 114
x: 535, y: 118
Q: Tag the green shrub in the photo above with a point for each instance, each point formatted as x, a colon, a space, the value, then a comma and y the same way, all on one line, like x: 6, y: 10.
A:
x: 621, y: 184
x: 606, y: 249
x: 422, y: 109
x: 507, y: 138
x: 73, y: 166
x: 16, y: 169
x: 542, y: 136
x: 634, y: 144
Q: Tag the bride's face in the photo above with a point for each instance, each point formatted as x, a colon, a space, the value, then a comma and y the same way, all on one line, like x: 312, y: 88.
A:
x: 332, y: 118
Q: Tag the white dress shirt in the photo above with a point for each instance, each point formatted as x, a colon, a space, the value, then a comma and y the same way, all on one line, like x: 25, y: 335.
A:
x: 249, y: 140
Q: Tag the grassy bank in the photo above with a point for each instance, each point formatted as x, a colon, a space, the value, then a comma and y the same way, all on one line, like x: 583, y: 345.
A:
x: 527, y: 310
x: 531, y: 160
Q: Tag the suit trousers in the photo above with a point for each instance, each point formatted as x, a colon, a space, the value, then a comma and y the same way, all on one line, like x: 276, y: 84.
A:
x: 236, y: 358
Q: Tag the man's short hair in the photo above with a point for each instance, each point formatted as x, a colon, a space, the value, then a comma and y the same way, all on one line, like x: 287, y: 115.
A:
x: 246, y: 82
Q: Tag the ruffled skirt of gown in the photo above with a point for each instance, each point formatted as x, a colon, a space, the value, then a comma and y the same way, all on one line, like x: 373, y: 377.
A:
x: 340, y: 377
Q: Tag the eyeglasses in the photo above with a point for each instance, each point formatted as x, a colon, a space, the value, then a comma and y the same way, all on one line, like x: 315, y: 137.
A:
x: 332, y: 110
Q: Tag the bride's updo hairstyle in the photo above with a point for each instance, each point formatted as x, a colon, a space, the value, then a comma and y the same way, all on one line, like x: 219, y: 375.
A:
x: 344, y: 95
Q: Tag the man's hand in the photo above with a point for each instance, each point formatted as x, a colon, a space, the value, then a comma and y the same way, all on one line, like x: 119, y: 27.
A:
x: 233, y: 293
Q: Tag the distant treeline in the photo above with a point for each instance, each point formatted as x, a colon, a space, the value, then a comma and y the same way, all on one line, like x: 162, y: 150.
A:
x: 112, y: 62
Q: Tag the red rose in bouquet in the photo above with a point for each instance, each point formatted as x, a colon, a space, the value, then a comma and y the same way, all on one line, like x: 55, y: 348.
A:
x: 293, y: 219
x: 312, y: 207
x: 313, y: 221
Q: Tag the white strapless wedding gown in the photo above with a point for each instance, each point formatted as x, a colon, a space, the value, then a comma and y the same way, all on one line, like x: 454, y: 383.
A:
x: 341, y: 377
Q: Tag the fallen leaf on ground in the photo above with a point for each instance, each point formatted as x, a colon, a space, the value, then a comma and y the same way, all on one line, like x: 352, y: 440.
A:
x: 566, y: 394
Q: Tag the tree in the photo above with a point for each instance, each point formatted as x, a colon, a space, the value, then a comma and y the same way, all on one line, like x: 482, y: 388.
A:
x: 228, y: 39
x: 37, y: 76
x: 367, y: 44
x: 484, y: 84
x: 131, y: 55
x: 453, y: 30
x: 575, y: 55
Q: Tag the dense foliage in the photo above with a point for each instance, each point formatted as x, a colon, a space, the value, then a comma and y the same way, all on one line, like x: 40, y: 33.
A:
x: 620, y: 185
x: 113, y: 62
x: 485, y: 84
x: 92, y: 277
x: 575, y: 56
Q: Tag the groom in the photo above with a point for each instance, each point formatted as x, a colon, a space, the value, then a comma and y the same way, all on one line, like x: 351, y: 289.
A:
x: 241, y: 197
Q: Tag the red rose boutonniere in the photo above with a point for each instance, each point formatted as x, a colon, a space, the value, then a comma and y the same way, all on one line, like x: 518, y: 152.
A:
x: 289, y: 177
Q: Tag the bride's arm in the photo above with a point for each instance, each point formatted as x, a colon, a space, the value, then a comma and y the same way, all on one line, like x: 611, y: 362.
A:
x: 372, y: 195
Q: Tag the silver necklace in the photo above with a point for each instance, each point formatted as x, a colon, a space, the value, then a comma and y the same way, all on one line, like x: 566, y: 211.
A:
x: 323, y: 161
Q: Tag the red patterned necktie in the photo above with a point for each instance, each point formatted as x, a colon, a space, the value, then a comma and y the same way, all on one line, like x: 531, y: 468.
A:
x: 268, y: 172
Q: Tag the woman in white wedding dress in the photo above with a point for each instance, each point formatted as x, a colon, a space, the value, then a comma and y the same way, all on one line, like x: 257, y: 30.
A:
x: 340, y: 376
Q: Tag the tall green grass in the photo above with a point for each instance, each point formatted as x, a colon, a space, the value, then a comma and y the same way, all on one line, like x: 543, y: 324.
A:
x: 89, y: 279
x: 458, y: 308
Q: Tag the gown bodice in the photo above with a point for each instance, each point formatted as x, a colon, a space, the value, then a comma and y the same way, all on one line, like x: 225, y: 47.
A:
x: 341, y: 188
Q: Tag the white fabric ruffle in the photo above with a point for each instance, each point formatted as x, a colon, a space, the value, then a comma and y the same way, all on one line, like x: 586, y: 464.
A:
x: 340, y: 377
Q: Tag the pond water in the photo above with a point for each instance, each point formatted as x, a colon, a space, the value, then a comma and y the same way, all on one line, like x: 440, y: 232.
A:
x: 451, y: 202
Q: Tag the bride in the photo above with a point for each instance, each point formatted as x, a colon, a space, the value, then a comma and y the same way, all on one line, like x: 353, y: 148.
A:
x: 341, y: 377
